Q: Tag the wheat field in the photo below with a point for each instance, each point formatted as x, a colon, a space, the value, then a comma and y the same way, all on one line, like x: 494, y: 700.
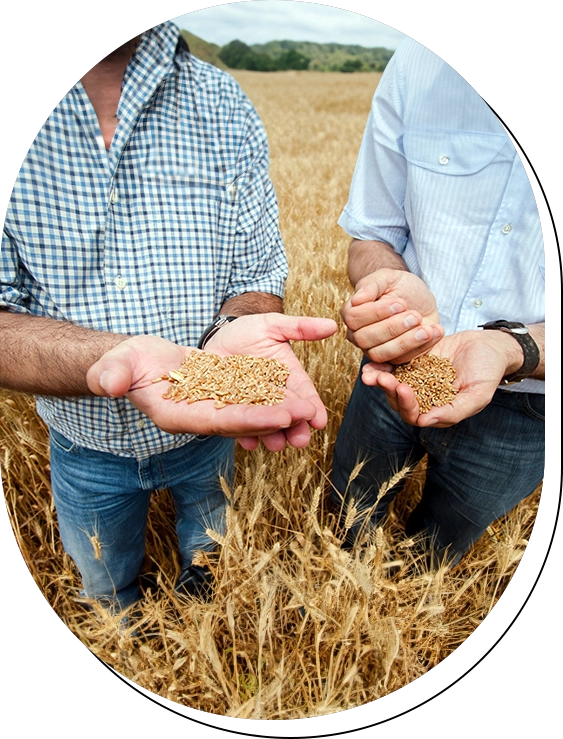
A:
x: 297, y: 626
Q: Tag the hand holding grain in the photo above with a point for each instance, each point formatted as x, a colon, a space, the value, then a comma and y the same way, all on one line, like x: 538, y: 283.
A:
x: 268, y: 335
x: 130, y: 368
x: 392, y: 316
x: 480, y: 363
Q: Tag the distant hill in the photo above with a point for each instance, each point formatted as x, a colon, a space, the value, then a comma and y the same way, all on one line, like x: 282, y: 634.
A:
x: 203, y: 49
x: 331, y: 57
x: 289, y: 54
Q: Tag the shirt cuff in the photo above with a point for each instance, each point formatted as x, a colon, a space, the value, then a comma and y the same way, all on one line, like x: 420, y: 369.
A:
x: 395, y: 237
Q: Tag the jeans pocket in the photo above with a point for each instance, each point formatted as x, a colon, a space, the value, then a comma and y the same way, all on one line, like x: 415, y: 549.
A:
x: 533, y: 405
x: 61, y: 441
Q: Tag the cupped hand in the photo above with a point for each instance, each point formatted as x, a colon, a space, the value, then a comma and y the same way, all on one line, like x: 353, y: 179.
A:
x: 268, y: 335
x: 131, y: 367
x: 392, y: 316
x: 480, y: 361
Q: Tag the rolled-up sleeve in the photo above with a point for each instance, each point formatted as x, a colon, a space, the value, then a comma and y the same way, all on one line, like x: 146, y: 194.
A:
x: 14, y: 296
x: 375, y: 208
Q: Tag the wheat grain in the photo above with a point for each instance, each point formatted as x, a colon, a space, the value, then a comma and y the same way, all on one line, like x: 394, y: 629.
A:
x: 236, y: 379
x: 431, y: 378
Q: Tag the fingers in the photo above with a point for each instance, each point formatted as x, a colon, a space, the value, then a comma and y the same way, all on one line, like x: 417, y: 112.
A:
x: 302, y: 387
x: 359, y: 316
x: 373, y: 286
x: 300, y: 328
x: 275, y: 442
x: 297, y: 436
x: 467, y: 403
x: 246, y: 421
x: 397, y: 339
x: 249, y: 443
x: 400, y: 396
x: 407, y: 404
x: 387, y: 331
x: 371, y: 371
x: 402, y: 399
x: 110, y: 376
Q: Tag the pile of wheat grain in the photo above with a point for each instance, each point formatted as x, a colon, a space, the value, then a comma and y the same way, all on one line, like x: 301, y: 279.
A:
x: 431, y: 378
x: 298, y: 627
x: 238, y: 379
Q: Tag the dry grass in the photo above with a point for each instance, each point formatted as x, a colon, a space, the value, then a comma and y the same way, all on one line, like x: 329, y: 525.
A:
x: 298, y: 627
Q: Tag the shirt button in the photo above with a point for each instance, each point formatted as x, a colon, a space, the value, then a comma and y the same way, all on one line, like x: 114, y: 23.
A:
x: 507, y: 229
x: 120, y: 283
x: 444, y: 159
x: 478, y: 303
x: 114, y: 195
x: 141, y: 424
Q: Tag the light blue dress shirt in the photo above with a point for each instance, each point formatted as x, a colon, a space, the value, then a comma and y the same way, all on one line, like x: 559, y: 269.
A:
x: 439, y: 179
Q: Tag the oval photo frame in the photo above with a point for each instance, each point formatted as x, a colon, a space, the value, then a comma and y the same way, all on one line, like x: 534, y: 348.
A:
x: 329, y: 265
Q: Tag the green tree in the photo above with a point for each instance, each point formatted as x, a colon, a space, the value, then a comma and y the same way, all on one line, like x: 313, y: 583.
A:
x: 233, y: 54
x: 292, y: 59
x: 351, y: 65
x: 258, y: 62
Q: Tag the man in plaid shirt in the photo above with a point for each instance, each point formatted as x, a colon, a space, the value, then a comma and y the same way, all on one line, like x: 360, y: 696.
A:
x: 143, y: 210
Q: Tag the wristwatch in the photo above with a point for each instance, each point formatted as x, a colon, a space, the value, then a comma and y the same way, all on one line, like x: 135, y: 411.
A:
x: 529, y: 347
x: 213, y: 327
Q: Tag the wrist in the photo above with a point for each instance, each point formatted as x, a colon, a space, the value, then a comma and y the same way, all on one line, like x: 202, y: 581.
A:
x: 521, y: 351
x: 367, y: 257
x: 216, y: 325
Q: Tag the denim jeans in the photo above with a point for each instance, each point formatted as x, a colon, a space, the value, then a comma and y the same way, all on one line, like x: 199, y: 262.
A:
x: 477, y: 469
x: 102, y: 503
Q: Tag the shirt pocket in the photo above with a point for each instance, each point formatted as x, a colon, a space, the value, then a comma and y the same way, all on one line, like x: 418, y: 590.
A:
x: 455, y: 153
x: 455, y: 179
x: 190, y: 219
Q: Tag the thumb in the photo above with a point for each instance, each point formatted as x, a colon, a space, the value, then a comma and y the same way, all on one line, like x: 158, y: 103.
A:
x: 110, y: 376
x: 372, y: 287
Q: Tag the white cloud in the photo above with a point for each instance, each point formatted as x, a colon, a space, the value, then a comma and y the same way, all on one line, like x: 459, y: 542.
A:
x: 260, y: 21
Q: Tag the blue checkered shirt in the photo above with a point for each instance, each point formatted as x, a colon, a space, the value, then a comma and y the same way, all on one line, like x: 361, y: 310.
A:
x: 151, y: 237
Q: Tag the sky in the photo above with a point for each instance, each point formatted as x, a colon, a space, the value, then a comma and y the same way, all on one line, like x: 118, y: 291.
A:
x: 260, y: 21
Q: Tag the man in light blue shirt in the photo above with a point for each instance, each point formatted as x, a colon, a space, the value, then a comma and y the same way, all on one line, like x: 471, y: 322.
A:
x: 447, y: 258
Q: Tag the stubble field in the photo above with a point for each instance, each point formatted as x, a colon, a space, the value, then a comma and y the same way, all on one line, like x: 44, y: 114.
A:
x: 297, y: 626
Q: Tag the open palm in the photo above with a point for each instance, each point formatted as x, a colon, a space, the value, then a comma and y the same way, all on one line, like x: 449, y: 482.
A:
x: 480, y: 365
x: 130, y: 369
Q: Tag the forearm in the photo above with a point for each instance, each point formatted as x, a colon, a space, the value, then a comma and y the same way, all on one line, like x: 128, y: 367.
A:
x: 44, y: 356
x: 251, y: 303
x: 365, y: 257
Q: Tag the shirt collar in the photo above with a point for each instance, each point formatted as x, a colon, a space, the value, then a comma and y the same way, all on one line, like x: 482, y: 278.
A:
x: 150, y: 65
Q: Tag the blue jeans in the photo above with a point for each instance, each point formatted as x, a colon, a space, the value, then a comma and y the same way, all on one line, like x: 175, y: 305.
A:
x: 102, y: 503
x: 477, y: 470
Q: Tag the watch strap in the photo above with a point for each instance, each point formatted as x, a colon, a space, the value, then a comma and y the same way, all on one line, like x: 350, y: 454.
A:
x: 529, y: 347
x: 217, y: 323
